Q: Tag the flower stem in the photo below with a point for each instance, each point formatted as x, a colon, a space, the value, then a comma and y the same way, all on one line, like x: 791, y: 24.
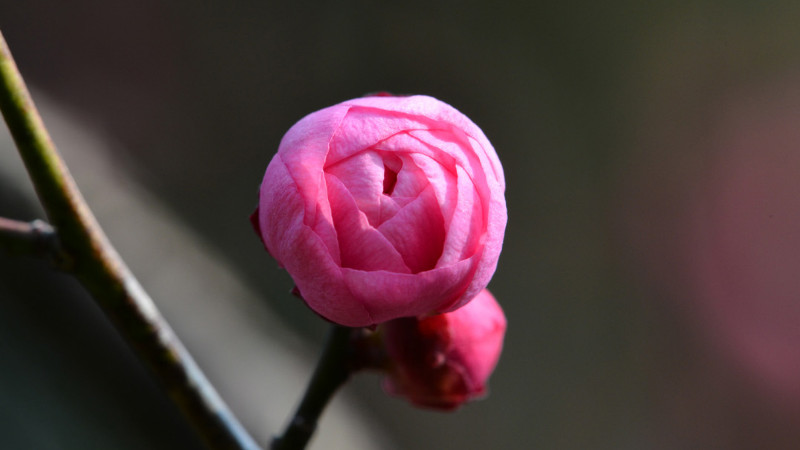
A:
x: 96, y: 264
x: 333, y: 369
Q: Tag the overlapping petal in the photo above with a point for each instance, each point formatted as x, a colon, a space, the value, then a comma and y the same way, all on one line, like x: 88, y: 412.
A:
x: 445, y: 360
x: 384, y: 207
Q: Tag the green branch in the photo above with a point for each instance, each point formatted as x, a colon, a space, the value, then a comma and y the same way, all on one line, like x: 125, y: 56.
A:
x: 96, y: 264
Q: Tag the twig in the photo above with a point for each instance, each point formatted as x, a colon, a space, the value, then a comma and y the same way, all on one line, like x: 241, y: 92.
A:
x: 99, y: 268
x: 332, y: 371
x: 23, y: 238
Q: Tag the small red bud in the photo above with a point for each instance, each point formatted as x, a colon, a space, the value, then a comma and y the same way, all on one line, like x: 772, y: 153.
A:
x: 444, y: 360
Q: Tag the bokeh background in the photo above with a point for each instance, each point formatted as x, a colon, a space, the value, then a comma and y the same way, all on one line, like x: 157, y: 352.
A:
x: 650, y: 268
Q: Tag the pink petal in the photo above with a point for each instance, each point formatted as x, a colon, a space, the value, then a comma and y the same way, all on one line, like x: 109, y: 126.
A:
x: 445, y: 117
x: 388, y: 295
x: 444, y: 360
x: 361, y: 246
x: 466, y: 225
x: 492, y: 245
x: 320, y: 282
x: 315, y: 224
x: 280, y: 210
x: 362, y: 175
x: 442, y: 181
x: 490, y: 191
x: 388, y: 208
x: 408, y: 143
x: 479, y: 343
x: 365, y: 127
x: 417, y: 232
x: 410, y: 180
x: 448, y: 145
x: 304, y: 149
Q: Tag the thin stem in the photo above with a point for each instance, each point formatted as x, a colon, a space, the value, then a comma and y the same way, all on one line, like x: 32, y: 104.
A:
x: 96, y: 264
x: 18, y: 238
x: 331, y: 372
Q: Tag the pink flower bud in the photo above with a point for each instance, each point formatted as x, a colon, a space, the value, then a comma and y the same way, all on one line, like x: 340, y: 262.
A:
x: 444, y: 360
x: 384, y: 207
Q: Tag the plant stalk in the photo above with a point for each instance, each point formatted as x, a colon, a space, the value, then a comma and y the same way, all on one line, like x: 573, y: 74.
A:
x: 333, y: 369
x: 96, y: 264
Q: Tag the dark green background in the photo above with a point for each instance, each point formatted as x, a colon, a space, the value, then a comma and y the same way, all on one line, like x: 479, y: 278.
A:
x: 576, y: 96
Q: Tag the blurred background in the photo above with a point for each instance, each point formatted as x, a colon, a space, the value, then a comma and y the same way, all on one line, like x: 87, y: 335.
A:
x: 650, y: 267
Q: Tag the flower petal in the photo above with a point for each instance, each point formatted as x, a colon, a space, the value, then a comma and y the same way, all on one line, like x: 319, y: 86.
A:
x: 417, y: 232
x: 388, y: 295
x: 467, y: 223
x: 362, y: 175
x: 361, y: 246
x: 363, y: 127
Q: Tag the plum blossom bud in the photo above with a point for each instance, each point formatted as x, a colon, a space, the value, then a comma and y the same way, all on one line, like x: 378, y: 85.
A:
x: 444, y: 360
x: 384, y: 207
